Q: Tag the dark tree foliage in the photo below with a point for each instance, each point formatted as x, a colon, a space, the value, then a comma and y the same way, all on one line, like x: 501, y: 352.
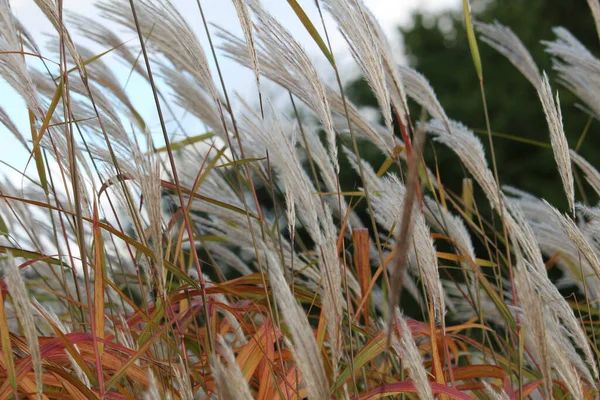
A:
x: 436, y: 45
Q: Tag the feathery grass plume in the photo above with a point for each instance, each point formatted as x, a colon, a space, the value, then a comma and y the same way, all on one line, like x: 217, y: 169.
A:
x: 524, y: 235
x: 307, y: 354
x: 560, y: 146
x: 576, y: 236
x: 395, y: 83
x: 50, y: 10
x: 571, y: 51
x: 469, y: 149
x: 363, y: 129
x: 228, y: 258
x: 388, y: 208
x: 366, y: 48
x: 168, y: 33
x: 535, y: 325
x: 592, y: 176
x: 152, y: 391
x: 236, y: 327
x: 26, y: 35
x: 595, y: 8
x: 283, y: 157
x: 333, y: 302
x: 444, y: 221
x: 552, y: 240
x: 290, y: 211
x: 589, y: 224
x: 289, y: 54
x: 418, y: 87
x: 558, y: 313
x: 408, y: 351
x: 107, y: 38
x: 12, y: 66
x: 20, y: 298
x: 505, y: 42
x: 375, y: 184
x: 495, y: 395
x: 185, y: 388
x: 577, y: 68
x: 271, y: 68
x: 101, y: 75
x: 246, y: 23
x: 561, y: 360
x: 338, y: 204
x: 190, y: 95
x: 147, y: 173
x: 317, y: 217
x: 529, y: 250
x: 229, y: 378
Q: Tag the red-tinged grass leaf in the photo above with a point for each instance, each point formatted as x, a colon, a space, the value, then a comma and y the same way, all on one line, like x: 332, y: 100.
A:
x: 477, y: 372
x: 368, y: 353
x: 529, y: 388
x: 51, y: 350
x: 289, y: 387
x: 129, y: 364
x: 113, y: 180
x: 98, y: 305
x: 311, y: 30
x: 124, y: 394
x: 6, y: 353
x: 360, y: 242
x: 186, y: 142
x: 265, y: 373
x: 139, y: 313
x: 500, y: 359
x: 71, y: 384
x: 68, y: 345
x: 391, y: 389
x: 436, y: 353
x: 25, y: 384
x: 252, y: 353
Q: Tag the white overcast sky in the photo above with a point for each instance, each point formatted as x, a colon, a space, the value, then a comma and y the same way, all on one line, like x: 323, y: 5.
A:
x: 390, y: 14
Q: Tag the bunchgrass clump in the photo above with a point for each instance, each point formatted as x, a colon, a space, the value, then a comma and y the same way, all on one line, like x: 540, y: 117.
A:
x: 233, y: 264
